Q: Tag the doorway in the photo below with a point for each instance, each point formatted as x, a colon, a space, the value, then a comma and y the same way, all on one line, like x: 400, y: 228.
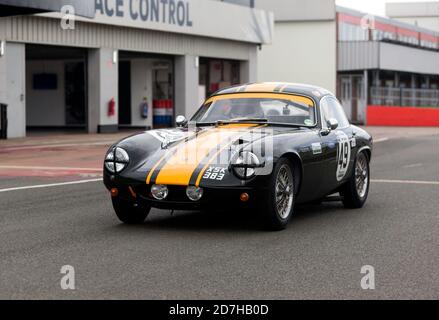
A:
x: 56, y: 88
x: 353, y: 98
x: 124, y: 92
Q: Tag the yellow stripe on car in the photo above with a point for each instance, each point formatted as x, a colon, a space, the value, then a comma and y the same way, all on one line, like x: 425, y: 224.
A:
x: 248, y: 95
x: 181, y: 165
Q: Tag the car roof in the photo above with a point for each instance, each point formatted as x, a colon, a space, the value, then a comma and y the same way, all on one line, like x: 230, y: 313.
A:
x: 277, y: 87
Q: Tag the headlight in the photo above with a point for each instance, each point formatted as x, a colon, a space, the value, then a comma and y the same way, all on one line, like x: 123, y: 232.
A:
x: 246, y: 158
x: 116, y: 160
x: 159, y: 192
x: 194, y: 193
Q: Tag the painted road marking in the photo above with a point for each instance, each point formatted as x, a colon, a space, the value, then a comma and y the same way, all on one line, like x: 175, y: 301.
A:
x: 47, y: 146
x: 406, y: 181
x: 50, y: 168
x: 415, y: 165
x: 100, y: 179
x: 381, y: 140
x: 50, y: 185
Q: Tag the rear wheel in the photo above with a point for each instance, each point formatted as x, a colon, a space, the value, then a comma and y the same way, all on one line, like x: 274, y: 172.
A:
x: 278, y: 208
x: 129, y: 212
x: 356, y: 190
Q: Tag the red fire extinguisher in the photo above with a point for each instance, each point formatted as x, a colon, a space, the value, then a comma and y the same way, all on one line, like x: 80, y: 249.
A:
x: 111, y: 107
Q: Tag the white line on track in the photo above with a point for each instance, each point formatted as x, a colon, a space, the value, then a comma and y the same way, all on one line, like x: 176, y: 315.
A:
x: 406, y: 182
x: 50, y: 185
x: 381, y: 140
x: 47, y: 146
x: 50, y: 168
x: 100, y: 179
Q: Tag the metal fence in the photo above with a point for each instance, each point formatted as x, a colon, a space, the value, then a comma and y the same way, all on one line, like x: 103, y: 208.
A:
x: 404, y: 97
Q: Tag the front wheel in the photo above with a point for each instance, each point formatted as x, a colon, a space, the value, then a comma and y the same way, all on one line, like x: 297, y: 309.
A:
x: 354, y: 193
x: 130, y: 212
x: 278, y: 208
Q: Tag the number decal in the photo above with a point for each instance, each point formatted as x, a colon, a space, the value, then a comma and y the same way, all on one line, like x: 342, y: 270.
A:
x: 343, y: 155
x: 215, y: 173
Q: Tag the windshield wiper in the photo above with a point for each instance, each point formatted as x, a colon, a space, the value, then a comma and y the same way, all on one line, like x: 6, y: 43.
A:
x: 249, y: 120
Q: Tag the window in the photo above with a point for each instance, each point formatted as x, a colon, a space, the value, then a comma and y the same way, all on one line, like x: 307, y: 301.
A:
x: 330, y: 108
x: 272, y: 108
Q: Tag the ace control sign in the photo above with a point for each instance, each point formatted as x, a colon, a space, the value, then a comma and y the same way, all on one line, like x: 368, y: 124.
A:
x: 214, y: 19
x: 172, y: 12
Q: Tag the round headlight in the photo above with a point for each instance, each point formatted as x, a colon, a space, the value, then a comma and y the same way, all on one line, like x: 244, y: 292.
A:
x: 121, y: 155
x: 116, y: 160
x: 159, y: 192
x: 245, y: 158
x: 194, y: 193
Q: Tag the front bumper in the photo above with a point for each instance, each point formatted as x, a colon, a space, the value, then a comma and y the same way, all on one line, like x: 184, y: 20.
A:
x: 213, y: 198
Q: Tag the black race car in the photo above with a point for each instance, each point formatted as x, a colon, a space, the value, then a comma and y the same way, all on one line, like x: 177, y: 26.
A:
x: 264, y: 147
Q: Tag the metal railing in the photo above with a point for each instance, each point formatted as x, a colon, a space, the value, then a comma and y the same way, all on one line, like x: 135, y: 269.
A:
x: 404, y: 97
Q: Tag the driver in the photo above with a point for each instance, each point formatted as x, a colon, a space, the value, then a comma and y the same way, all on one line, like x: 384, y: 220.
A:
x: 245, y: 109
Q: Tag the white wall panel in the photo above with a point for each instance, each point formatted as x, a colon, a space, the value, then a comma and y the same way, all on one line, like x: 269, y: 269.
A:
x: 302, y: 52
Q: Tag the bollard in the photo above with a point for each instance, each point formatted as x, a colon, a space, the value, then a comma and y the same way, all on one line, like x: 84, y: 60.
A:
x: 3, y: 121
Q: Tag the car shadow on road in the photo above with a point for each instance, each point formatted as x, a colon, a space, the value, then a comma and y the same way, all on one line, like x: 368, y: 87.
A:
x: 226, y: 220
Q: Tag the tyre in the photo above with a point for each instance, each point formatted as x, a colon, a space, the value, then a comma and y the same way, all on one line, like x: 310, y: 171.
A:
x: 278, y: 207
x: 130, y: 212
x: 354, y: 193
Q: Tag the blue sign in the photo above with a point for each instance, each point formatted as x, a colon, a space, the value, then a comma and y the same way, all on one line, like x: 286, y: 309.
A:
x: 172, y: 12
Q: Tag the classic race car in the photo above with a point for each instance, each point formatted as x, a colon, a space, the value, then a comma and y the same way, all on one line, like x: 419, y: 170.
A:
x: 263, y: 147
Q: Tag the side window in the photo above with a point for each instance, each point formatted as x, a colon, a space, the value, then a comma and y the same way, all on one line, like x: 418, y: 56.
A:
x: 330, y: 108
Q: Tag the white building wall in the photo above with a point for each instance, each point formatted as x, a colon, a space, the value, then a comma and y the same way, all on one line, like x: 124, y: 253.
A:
x: 13, y: 88
x: 103, y: 77
x: 141, y: 86
x: 3, y: 79
x: 302, y: 51
x: 45, y: 107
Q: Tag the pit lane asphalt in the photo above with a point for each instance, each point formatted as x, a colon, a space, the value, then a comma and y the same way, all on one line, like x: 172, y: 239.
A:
x: 225, y: 255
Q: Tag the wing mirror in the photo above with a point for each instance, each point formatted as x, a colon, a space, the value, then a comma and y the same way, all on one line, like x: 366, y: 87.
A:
x: 332, y: 123
x: 181, y: 121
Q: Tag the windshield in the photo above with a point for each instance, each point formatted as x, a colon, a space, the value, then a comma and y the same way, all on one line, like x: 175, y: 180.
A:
x: 270, y: 108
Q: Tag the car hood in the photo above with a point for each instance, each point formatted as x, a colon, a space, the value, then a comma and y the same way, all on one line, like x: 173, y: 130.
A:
x: 182, y: 156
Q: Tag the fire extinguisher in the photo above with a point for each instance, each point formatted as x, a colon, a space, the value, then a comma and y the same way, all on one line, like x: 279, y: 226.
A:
x: 144, y: 108
x: 111, y: 107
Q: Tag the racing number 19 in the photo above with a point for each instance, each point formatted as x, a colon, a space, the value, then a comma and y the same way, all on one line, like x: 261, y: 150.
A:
x: 344, y: 154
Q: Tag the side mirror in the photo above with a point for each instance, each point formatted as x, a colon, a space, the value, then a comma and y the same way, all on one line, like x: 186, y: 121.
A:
x: 180, y: 121
x: 332, y: 123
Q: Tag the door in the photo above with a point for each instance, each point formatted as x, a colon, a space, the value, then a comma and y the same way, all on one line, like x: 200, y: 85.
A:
x: 75, y: 93
x: 124, y: 92
x: 357, y: 98
x: 346, y: 95
x: 337, y: 146
x: 353, y: 98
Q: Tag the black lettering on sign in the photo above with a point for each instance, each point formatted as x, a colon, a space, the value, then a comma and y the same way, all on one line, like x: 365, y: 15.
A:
x: 164, y: 7
x: 155, y: 10
x: 188, y: 20
x: 144, y: 9
x: 119, y: 8
x: 180, y: 13
x: 133, y: 13
x: 172, y: 11
x: 99, y: 6
x: 109, y: 12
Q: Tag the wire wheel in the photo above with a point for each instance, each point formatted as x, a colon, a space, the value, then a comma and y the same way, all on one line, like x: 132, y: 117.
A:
x: 361, y: 175
x: 284, y: 192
